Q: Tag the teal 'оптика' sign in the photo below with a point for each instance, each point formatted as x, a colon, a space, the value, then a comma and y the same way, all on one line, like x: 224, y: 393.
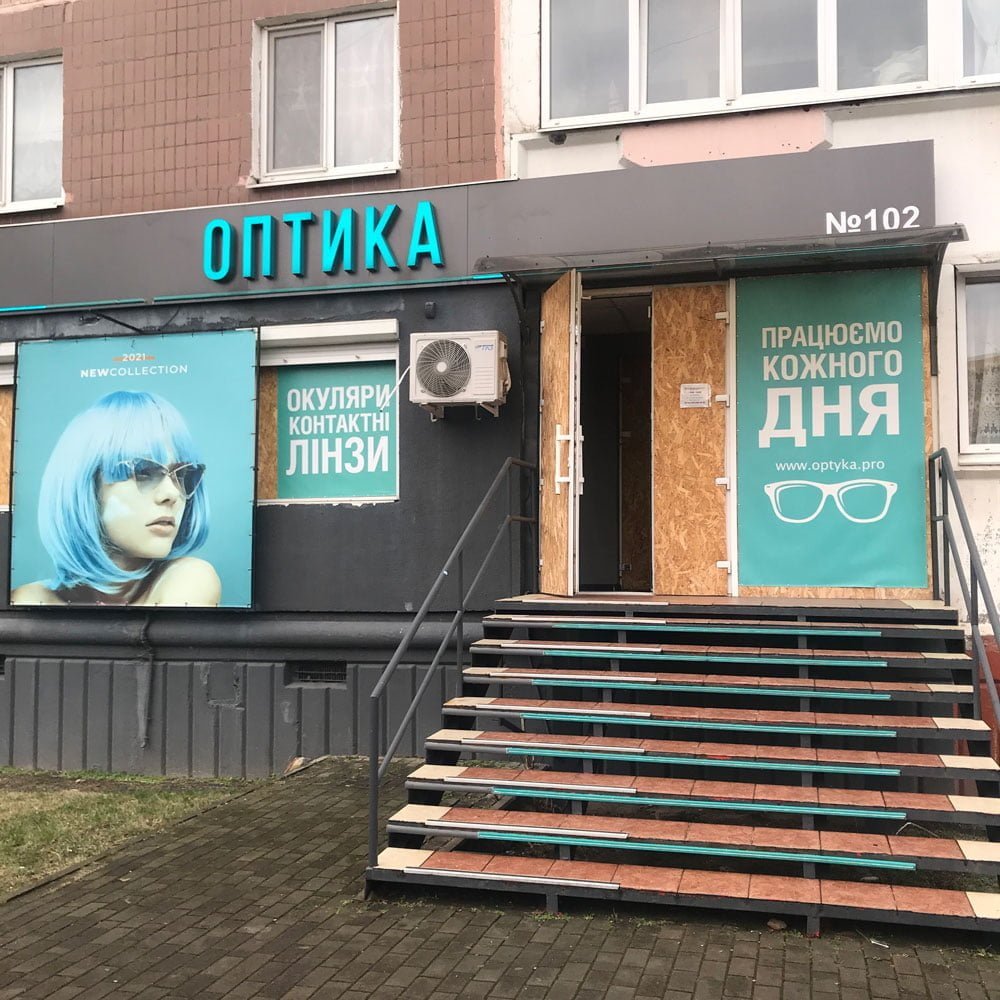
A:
x: 830, y: 428
x: 337, y: 432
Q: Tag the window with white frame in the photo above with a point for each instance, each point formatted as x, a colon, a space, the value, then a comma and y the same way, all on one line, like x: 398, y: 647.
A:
x: 327, y: 98
x: 979, y: 364
x: 31, y: 128
x: 613, y: 60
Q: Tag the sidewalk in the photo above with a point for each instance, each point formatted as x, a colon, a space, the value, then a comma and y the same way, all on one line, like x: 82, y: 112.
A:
x: 259, y: 898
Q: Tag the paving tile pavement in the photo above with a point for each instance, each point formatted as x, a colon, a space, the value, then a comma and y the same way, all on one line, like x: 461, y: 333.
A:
x: 258, y: 899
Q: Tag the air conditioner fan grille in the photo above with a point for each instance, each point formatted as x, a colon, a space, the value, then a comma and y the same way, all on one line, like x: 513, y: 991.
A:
x: 443, y: 368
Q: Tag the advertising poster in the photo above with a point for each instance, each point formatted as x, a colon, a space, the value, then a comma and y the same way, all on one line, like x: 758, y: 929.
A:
x: 830, y: 430
x: 133, y: 478
x: 337, y: 432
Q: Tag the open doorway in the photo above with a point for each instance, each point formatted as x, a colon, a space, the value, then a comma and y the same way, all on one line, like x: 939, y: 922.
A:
x: 615, y: 528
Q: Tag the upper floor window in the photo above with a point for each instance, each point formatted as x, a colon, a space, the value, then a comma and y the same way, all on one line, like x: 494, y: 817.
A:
x: 31, y: 125
x: 979, y: 363
x: 328, y: 98
x: 612, y: 60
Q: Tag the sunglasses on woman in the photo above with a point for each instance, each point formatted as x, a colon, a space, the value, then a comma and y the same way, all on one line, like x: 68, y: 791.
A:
x: 149, y: 475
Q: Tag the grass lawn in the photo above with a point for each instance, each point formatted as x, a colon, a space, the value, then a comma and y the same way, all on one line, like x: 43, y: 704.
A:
x: 51, y: 821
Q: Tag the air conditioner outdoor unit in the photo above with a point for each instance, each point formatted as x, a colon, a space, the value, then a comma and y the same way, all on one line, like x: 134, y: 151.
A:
x: 468, y: 367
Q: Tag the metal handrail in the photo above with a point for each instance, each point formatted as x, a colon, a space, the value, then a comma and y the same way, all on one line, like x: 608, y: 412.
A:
x: 944, y: 549
x: 454, y: 562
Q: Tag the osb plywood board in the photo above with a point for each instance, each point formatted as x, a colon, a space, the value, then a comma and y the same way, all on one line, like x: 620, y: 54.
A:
x: 6, y: 441
x: 689, y: 445
x: 557, y: 360
x: 267, y: 434
x: 636, y: 496
x: 877, y: 593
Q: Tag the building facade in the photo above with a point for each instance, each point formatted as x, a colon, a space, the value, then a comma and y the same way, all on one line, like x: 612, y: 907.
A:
x: 744, y: 289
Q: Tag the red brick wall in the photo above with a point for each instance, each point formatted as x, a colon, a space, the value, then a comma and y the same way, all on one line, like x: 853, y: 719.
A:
x: 158, y: 97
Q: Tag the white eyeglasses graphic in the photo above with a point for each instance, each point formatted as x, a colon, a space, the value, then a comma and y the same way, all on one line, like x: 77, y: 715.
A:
x: 856, y: 499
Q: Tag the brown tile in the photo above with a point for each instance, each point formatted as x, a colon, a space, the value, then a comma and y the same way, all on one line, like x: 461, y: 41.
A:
x: 664, y: 880
x: 779, y: 888
x: 532, y: 867
x: 928, y: 847
x: 860, y: 895
x: 786, y: 793
x: 663, y: 786
x: 914, y: 800
x: 728, y: 790
x: 588, y: 871
x: 717, y: 833
x: 850, y: 797
x: 735, y: 885
x: 854, y: 843
x: 782, y: 838
x: 945, y: 902
x: 457, y: 861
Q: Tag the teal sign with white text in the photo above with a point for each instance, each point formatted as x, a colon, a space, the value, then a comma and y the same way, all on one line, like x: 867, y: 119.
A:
x: 337, y: 432
x: 830, y: 430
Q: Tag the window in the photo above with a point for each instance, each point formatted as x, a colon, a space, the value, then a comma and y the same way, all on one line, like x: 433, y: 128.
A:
x: 616, y: 60
x: 328, y: 413
x: 31, y: 135
x: 979, y: 364
x: 328, y: 104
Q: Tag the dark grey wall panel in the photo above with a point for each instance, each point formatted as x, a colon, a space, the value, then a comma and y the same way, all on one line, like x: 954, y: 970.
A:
x: 25, y: 713
x: 74, y: 717
x: 343, y: 718
x: 99, y: 680
x: 125, y: 751
x: 315, y: 720
x: 177, y: 718
x: 232, y: 722
x: 6, y: 713
x: 259, y: 718
x: 285, y: 722
x: 50, y: 715
x: 204, y: 723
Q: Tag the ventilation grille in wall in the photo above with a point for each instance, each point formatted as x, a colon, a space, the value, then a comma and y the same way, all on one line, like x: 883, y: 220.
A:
x: 321, y: 672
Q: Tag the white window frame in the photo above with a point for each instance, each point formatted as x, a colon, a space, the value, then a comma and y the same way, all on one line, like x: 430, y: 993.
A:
x: 982, y: 454
x: 7, y: 204
x: 945, y: 68
x: 346, y: 342
x: 263, y: 33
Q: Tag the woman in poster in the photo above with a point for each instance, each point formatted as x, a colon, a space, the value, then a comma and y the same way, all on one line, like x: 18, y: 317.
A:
x: 121, y: 507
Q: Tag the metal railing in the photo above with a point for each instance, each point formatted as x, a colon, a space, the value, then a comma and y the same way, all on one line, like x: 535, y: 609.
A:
x: 946, y: 558
x: 453, y: 569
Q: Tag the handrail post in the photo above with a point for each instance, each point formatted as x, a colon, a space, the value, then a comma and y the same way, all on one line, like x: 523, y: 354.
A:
x: 373, y: 782
x: 460, y: 631
x: 935, y: 531
x: 946, y: 549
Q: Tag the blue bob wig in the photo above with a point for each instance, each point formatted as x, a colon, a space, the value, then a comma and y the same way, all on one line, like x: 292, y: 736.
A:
x: 118, y: 428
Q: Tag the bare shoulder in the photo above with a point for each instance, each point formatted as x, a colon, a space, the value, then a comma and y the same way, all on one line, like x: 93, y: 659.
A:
x: 34, y: 593
x: 187, y: 581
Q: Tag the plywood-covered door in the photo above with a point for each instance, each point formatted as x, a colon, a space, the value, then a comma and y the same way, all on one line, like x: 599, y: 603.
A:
x: 689, y: 440
x: 559, y: 436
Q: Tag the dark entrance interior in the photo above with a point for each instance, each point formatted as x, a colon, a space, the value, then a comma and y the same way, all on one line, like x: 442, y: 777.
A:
x: 615, y: 533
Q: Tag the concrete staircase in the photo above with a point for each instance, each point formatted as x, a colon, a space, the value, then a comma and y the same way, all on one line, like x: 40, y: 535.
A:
x: 814, y: 759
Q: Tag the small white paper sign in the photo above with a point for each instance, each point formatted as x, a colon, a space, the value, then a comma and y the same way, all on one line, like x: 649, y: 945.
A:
x: 695, y: 395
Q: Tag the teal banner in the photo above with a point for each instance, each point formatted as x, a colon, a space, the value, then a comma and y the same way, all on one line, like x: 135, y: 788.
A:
x: 337, y: 432
x: 830, y: 430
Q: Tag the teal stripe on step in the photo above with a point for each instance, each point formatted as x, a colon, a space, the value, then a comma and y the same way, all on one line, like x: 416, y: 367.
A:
x: 761, y: 765
x: 739, y: 727
x: 712, y: 852
x: 624, y: 654
x: 755, y: 630
x: 708, y: 689
x: 808, y: 808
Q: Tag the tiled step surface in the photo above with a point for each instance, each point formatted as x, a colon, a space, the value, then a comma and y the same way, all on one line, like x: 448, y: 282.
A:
x: 755, y: 656
x: 731, y: 843
x: 725, y: 684
x: 694, y: 887
x: 686, y: 793
x: 652, y: 625
x: 828, y: 762
x: 707, y: 719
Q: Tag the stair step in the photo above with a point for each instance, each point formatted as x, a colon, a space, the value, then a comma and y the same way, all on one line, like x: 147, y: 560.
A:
x: 750, y: 626
x: 782, y: 687
x: 735, y: 608
x: 692, y: 887
x: 840, y: 803
x: 721, y: 654
x: 717, y: 755
x: 736, y: 843
x: 722, y: 719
